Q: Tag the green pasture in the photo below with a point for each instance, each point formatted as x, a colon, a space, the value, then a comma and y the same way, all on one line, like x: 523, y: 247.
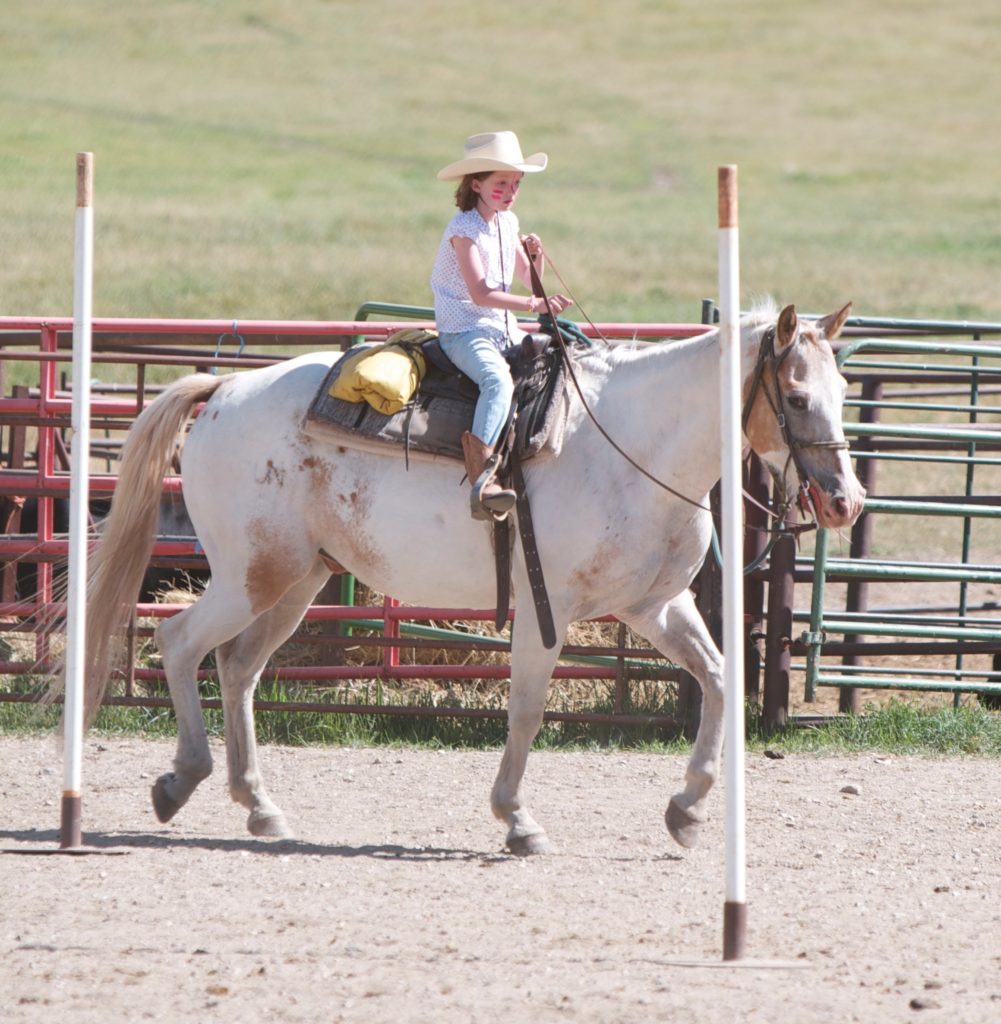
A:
x: 264, y: 159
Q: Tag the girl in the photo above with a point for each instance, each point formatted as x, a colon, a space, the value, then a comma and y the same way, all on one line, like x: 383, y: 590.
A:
x: 474, y: 308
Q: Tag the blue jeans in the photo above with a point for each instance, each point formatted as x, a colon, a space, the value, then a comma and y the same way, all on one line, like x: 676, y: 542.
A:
x: 480, y: 357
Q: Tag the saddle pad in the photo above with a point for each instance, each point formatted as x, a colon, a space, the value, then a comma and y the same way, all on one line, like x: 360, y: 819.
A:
x: 433, y: 422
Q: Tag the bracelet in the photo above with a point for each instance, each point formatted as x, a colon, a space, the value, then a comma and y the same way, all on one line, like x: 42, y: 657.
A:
x: 531, y: 304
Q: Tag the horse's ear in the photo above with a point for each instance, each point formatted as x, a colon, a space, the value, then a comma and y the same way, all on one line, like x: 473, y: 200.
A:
x: 832, y: 323
x: 785, y: 328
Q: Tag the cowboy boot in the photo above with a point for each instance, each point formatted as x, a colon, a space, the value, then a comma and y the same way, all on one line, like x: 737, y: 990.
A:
x: 487, y: 499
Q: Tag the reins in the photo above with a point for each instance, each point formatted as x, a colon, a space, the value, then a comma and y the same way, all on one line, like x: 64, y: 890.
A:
x: 539, y: 292
x: 766, y: 355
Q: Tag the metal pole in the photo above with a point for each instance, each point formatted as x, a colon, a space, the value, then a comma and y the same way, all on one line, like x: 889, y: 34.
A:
x: 70, y: 831
x: 814, y: 638
x: 781, y: 592
x: 857, y: 596
x: 755, y: 543
x: 734, y: 910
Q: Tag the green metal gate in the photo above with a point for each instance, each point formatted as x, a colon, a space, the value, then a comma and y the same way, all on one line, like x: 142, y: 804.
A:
x: 929, y: 416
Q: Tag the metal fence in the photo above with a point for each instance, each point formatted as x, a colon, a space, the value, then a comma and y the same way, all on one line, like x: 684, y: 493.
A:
x: 928, y: 448
x: 140, y: 355
x: 927, y: 401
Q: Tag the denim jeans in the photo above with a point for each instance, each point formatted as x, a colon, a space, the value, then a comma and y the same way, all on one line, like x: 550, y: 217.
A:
x: 481, y: 359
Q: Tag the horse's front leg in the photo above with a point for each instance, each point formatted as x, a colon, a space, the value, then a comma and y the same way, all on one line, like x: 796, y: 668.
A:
x: 531, y: 669
x: 677, y: 630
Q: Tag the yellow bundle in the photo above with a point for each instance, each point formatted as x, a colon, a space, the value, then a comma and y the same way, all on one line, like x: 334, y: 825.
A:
x: 386, y: 376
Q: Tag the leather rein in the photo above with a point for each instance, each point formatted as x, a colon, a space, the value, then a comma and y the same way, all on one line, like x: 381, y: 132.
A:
x: 766, y: 358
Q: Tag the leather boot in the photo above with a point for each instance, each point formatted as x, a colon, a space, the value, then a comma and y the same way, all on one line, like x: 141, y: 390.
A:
x: 487, y: 499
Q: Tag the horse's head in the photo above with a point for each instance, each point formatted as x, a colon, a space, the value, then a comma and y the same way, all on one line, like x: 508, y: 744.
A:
x: 792, y: 414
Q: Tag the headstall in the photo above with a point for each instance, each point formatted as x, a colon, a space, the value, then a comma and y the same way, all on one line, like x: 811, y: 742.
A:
x: 767, y: 358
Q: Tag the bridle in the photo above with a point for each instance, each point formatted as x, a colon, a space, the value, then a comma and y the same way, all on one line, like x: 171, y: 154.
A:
x: 768, y: 360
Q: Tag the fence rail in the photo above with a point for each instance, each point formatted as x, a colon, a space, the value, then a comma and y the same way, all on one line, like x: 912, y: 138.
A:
x: 35, y: 419
x: 928, y: 403
x: 908, y: 429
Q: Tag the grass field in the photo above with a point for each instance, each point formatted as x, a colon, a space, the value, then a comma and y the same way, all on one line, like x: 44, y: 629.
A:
x: 269, y: 159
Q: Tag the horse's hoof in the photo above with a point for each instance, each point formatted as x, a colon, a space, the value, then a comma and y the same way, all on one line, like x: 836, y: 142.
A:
x: 164, y: 805
x: 683, y: 824
x: 269, y: 826
x: 535, y: 845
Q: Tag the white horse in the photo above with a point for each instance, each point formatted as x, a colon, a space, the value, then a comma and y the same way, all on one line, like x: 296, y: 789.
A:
x: 273, y: 507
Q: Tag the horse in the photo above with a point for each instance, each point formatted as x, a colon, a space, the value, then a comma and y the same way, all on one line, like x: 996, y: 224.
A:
x: 277, y: 510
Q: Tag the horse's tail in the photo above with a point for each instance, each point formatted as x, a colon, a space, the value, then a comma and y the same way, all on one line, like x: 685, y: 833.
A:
x: 119, y: 562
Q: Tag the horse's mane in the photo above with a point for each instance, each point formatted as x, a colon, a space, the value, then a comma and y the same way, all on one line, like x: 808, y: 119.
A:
x: 764, y: 311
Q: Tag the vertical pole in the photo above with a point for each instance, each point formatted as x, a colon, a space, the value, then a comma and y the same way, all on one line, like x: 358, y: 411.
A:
x: 756, y: 483
x: 815, y: 639
x: 857, y: 592
x: 46, y: 459
x: 971, y: 451
x: 781, y: 589
x: 70, y: 833
x: 735, y: 909
x: 390, y: 630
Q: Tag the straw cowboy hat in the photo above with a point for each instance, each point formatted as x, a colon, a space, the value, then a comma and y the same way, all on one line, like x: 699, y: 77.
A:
x: 493, y: 151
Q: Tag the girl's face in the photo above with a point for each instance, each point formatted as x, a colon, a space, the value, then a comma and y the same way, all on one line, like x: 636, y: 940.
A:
x: 497, y: 191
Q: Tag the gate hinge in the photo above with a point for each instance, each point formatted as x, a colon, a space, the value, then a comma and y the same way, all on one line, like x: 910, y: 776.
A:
x: 811, y: 639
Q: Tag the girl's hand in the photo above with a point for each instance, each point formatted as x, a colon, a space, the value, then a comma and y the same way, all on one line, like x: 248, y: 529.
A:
x: 533, y: 245
x: 557, y: 303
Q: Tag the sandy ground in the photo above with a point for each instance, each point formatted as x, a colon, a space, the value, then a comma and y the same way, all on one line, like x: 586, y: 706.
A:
x: 397, y: 903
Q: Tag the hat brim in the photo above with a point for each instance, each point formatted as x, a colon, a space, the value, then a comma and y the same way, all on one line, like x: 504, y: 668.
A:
x: 477, y: 165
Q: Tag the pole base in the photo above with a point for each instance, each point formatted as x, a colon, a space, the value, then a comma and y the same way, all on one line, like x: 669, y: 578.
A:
x: 70, y: 835
x: 734, y: 931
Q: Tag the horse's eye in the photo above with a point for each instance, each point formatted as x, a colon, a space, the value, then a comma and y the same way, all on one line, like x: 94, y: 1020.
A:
x: 797, y: 402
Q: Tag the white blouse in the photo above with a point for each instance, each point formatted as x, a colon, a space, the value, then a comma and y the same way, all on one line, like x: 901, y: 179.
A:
x: 496, y: 242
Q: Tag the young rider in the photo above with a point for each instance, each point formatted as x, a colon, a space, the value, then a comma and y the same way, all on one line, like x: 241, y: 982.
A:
x: 480, y: 251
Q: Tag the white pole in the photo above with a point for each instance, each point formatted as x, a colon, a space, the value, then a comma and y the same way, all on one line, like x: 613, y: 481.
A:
x: 70, y: 833
x: 735, y: 909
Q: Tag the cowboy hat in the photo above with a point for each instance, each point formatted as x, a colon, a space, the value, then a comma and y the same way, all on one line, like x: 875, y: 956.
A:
x: 493, y: 151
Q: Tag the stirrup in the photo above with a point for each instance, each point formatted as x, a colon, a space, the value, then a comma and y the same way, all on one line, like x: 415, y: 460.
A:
x: 483, y: 513
x: 494, y: 505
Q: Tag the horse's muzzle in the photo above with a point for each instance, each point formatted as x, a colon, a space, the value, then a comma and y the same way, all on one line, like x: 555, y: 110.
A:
x: 839, y: 506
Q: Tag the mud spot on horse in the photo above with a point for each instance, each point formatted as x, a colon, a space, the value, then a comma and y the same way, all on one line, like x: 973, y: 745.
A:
x: 596, y: 571
x: 273, y: 475
x: 320, y: 471
x: 353, y: 514
x: 273, y: 567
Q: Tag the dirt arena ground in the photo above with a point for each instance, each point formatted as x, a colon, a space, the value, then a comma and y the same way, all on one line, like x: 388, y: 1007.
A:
x: 397, y: 903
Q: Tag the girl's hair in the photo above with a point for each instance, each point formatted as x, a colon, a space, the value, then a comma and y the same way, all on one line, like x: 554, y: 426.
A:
x: 465, y: 197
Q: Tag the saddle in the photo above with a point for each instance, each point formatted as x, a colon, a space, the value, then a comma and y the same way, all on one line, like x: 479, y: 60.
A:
x: 432, y: 423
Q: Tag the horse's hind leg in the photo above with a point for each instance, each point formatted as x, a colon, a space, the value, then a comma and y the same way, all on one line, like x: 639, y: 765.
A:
x: 240, y: 662
x: 677, y: 630
x: 184, y: 640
